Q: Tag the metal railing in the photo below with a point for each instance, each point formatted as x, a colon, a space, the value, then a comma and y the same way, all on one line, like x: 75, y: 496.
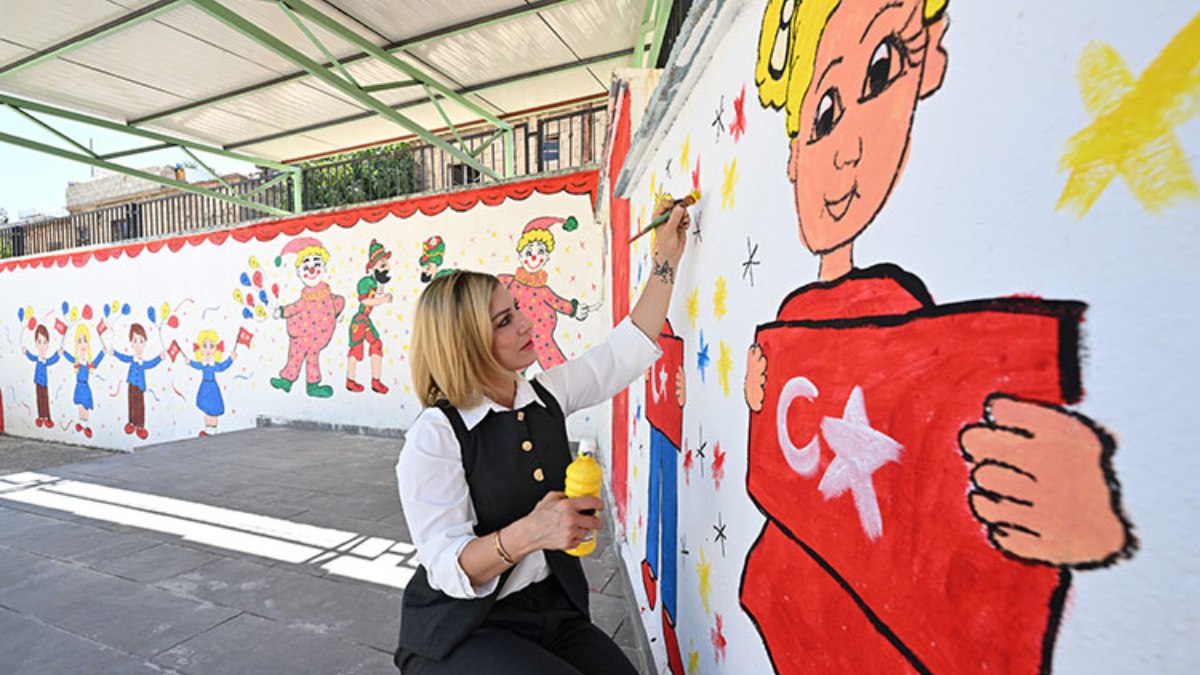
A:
x: 564, y: 141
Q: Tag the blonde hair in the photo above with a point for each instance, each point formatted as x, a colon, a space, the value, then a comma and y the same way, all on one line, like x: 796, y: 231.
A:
x: 787, y: 51
x: 210, y: 335
x: 310, y: 250
x: 531, y: 236
x: 82, y: 332
x: 451, y: 349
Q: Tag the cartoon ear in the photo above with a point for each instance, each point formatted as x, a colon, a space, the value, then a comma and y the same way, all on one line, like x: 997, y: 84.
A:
x: 935, y: 57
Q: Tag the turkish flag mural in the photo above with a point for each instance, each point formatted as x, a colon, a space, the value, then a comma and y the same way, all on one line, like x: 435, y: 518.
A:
x: 871, y: 559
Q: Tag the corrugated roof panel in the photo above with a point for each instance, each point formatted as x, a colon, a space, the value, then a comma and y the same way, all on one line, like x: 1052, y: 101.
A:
x: 10, y: 53
x: 80, y: 88
x: 497, y: 51
x: 594, y: 27
x: 39, y: 25
x: 268, y: 17
x: 567, y: 85
x: 216, y: 126
x: 292, y: 105
x: 401, y: 19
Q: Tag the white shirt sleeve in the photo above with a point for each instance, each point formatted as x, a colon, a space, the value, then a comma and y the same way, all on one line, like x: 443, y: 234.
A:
x: 602, y: 371
x: 437, y: 504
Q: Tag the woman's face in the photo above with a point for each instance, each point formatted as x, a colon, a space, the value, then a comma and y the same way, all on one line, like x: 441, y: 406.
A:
x: 512, y: 332
x: 856, y: 117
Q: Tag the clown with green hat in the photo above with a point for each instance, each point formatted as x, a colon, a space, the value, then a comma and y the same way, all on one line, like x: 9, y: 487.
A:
x: 362, y: 329
x: 433, y: 251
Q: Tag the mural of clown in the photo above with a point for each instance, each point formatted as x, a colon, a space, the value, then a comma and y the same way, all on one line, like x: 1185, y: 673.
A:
x: 433, y: 251
x: 362, y: 329
x: 311, y: 319
x: 529, y: 286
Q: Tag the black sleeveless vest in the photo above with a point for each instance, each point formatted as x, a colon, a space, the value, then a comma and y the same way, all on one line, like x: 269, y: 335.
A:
x: 503, y: 480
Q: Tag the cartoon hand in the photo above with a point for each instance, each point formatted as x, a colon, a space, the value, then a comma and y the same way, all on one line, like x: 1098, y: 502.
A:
x: 581, y: 312
x: 277, y: 312
x: 756, y: 378
x: 1043, y: 484
x: 680, y: 387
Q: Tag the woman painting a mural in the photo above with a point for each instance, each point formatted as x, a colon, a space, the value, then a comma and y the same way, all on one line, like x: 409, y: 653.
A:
x: 883, y: 550
x: 482, y: 472
x: 84, y: 365
x: 209, y: 361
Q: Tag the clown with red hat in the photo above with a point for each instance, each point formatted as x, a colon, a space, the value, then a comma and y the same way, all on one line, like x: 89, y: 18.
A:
x: 310, y: 319
x: 528, y: 285
x: 362, y: 329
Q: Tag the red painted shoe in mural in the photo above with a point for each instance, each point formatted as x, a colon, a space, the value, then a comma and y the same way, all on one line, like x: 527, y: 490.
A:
x: 49, y: 423
x: 129, y: 428
x: 650, y: 582
x: 203, y: 434
x: 78, y: 428
x: 38, y: 422
x: 353, y: 386
x: 87, y: 431
x: 142, y: 433
x: 671, y: 642
x: 378, y: 387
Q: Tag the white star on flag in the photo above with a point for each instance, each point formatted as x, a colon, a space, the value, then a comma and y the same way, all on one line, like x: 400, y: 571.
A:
x: 860, y: 451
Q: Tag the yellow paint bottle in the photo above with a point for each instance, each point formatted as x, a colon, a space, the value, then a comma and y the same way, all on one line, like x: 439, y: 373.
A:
x: 584, y: 477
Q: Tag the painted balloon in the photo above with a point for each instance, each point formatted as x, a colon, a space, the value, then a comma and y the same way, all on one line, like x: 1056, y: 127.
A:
x: 150, y: 314
x: 253, y: 263
x: 249, y: 299
x: 107, y: 310
x: 74, y: 315
x: 87, y: 312
x: 20, y: 314
x: 65, y: 307
x: 32, y: 323
x: 237, y: 295
x: 245, y: 279
x: 262, y: 296
x: 173, y: 322
x: 260, y: 312
x: 246, y: 313
x: 166, y: 310
x: 257, y: 279
x: 125, y: 309
x: 275, y: 290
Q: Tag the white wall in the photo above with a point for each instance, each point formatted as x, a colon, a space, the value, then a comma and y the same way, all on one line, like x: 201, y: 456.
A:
x: 974, y: 216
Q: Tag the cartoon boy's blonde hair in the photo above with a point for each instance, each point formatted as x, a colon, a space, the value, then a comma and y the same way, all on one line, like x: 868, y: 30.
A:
x: 543, y: 236
x: 211, y: 335
x: 310, y: 250
x: 787, y: 51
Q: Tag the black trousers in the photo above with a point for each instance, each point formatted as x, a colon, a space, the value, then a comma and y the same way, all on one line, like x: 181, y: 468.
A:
x: 535, y: 630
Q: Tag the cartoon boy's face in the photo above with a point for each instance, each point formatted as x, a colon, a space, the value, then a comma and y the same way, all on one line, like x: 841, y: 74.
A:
x: 42, y: 344
x: 311, y: 269
x: 534, y: 255
x: 137, y: 344
x: 875, y: 60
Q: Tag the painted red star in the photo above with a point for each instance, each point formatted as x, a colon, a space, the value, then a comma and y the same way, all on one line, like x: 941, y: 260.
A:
x: 739, y: 111
x: 696, y: 175
x: 718, y: 465
x: 718, y: 640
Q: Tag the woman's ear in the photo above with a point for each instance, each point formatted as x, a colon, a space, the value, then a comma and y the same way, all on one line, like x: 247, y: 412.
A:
x: 935, y: 58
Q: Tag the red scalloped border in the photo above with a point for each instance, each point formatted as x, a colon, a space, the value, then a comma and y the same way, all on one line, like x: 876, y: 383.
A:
x: 583, y: 182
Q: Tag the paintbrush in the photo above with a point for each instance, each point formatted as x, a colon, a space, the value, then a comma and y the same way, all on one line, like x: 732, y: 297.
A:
x: 691, y: 198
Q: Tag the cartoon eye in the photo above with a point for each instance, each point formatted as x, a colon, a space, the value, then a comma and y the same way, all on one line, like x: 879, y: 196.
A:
x: 829, y: 113
x: 887, y: 65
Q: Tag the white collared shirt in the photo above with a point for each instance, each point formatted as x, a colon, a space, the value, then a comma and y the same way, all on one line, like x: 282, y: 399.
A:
x: 433, y: 486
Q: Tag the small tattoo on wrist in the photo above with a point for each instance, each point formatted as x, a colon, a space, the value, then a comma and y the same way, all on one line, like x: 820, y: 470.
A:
x: 664, y: 271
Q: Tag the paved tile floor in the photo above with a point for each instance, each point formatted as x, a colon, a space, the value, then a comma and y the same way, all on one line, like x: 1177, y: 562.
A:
x: 264, y: 551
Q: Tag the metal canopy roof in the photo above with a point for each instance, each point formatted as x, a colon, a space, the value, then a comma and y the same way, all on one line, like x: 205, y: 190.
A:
x: 283, y: 79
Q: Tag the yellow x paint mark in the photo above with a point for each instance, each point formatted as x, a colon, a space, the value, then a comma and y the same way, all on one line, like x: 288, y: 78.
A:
x: 1133, y: 132
x: 731, y: 179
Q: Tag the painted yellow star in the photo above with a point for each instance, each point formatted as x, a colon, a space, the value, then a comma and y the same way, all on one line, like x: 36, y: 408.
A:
x: 704, y: 573
x: 693, y: 307
x: 1133, y: 132
x: 724, y: 365
x: 683, y: 154
x: 731, y: 179
x: 693, y: 665
x: 720, y: 295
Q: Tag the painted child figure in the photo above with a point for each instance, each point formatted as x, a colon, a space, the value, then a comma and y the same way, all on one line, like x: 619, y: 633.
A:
x: 210, y: 360
x: 84, y: 365
x: 666, y: 394
x: 362, y: 329
x: 529, y: 286
x: 136, y: 378
x: 41, y: 380
x: 310, y: 320
x: 881, y: 439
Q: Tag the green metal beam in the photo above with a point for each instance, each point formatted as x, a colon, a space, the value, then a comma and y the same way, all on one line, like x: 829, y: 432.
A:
x: 29, y: 116
x: 82, y: 118
x: 268, y: 41
x: 136, y: 151
x: 662, y: 13
x: 117, y: 168
x: 320, y: 45
x: 344, y: 33
x: 403, y: 45
x: 372, y: 88
x: 92, y: 36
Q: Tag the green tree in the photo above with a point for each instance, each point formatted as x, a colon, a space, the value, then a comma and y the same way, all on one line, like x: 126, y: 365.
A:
x: 361, y: 176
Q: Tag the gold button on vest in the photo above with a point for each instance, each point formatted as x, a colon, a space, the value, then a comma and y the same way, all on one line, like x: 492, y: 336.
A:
x: 520, y: 415
x: 527, y: 446
x: 539, y: 475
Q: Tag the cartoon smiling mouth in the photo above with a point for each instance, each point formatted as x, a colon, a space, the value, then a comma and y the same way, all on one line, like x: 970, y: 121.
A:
x: 837, y: 208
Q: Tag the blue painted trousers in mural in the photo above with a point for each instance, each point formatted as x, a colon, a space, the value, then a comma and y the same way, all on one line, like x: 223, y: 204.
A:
x: 663, y: 517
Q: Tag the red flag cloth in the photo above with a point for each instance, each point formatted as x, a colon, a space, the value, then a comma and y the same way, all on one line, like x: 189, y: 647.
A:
x: 663, y: 411
x: 244, y: 337
x: 871, y: 560
x: 173, y: 350
x: 60, y: 327
x: 101, y: 327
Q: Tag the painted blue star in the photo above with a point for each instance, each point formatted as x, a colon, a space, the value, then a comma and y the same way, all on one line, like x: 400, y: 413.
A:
x: 702, y: 357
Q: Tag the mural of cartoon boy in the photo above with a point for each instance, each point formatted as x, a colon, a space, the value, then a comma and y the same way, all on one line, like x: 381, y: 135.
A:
x: 138, y: 365
x: 362, y: 329
x: 84, y: 364
x: 310, y: 320
x: 849, y: 74
x: 433, y: 251
x: 209, y: 360
x: 666, y: 394
x: 537, y: 300
x: 41, y: 341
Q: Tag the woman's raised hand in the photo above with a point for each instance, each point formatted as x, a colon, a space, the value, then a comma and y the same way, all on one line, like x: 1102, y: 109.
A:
x: 559, y: 523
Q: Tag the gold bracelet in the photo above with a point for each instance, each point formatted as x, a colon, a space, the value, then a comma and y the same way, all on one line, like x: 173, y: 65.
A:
x: 500, y: 550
